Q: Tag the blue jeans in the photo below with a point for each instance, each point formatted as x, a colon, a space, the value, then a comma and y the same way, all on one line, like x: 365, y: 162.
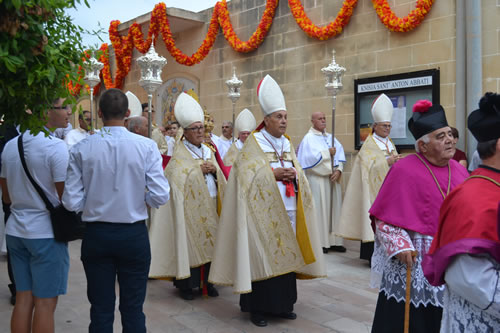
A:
x: 111, y: 250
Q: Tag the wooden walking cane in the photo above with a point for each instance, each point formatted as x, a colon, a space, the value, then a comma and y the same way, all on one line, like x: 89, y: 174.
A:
x: 408, y: 294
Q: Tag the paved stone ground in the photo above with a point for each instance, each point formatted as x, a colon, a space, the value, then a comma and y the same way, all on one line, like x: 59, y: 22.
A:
x: 343, y: 302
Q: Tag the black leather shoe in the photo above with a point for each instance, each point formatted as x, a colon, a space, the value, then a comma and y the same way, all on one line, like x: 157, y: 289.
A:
x: 338, y: 248
x: 212, y: 292
x: 288, y: 315
x: 325, y: 250
x: 187, y: 294
x: 258, y: 319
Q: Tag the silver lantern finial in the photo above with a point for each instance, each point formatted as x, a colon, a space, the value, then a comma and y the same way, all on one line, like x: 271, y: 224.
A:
x: 333, y: 75
x: 234, y: 85
x: 151, y: 65
x: 92, y: 69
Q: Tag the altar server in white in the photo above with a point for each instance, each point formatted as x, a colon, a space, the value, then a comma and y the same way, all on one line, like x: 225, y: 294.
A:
x: 315, y: 155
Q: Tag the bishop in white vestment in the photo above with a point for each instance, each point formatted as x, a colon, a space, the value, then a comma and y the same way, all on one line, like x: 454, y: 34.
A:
x: 245, y: 123
x: 267, y: 236
x: 183, y: 231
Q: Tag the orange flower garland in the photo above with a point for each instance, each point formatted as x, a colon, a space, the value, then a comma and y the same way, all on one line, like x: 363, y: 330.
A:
x: 106, y: 70
x: 405, y: 24
x: 257, y: 37
x: 123, y: 45
x: 159, y: 24
x: 160, y: 14
x: 332, y: 29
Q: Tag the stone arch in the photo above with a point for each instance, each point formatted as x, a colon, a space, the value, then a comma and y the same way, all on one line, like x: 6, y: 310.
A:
x: 167, y: 93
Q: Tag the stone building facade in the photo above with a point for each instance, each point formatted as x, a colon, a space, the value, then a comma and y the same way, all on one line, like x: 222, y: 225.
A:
x: 365, y: 47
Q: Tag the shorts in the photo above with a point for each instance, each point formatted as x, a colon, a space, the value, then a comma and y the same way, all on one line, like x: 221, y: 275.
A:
x: 39, y: 265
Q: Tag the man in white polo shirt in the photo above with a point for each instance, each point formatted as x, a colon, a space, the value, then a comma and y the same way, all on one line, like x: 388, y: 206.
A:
x: 111, y: 178
x: 40, y: 264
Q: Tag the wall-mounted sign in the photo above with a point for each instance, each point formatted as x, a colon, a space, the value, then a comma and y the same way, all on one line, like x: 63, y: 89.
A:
x: 395, y: 84
x: 403, y: 90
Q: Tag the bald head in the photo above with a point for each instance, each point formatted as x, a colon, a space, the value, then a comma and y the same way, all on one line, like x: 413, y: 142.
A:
x: 318, y: 120
x: 138, y: 125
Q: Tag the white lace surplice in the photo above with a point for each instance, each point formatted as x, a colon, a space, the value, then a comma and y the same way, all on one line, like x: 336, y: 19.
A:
x: 460, y: 315
x: 472, y: 296
x: 389, y: 274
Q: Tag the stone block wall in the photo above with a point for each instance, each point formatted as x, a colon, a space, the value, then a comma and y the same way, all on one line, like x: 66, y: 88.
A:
x: 365, y: 47
x: 490, y: 40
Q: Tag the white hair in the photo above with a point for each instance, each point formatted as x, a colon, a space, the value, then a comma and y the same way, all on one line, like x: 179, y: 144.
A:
x: 133, y: 123
x: 424, y: 139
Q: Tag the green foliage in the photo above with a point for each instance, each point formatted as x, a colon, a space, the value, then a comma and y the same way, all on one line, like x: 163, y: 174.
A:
x: 40, y: 49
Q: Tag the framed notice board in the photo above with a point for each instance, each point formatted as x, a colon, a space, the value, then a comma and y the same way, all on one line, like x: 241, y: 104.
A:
x: 404, y: 90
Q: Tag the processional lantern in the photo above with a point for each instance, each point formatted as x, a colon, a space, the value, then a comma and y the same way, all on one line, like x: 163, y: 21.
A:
x: 333, y: 75
x: 151, y: 65
x: 234, y: 85
x: 92, y: 69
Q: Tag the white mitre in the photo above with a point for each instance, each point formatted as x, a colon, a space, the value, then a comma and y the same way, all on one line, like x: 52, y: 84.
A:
x: 187, y: 110
x: 245, y: 122
x: 382, y: 109
x: 134, y: 105
x: 270, y: 96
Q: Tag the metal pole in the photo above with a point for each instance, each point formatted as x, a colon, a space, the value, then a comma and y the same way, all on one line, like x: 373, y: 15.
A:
x: 234, y: 139
x: 332, y: 160
x: 91, y: 109
x: 474, y: 64
x: 333, y: 126
x: 150, y: 128
x: 461, y: 79
x: 150, y: 123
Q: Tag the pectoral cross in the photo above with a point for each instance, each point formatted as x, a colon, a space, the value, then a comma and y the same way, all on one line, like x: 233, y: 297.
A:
x: 281, y: 161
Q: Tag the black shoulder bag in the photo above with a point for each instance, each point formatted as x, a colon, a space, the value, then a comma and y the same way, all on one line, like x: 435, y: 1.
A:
x: 67, y: 226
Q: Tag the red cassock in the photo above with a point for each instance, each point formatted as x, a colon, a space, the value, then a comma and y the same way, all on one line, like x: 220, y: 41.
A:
x: 468, y: 224
x: 165, y: 160
x: 225, y: 169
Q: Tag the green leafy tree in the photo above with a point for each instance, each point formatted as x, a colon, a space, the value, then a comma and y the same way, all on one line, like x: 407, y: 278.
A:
x: 40, y: 50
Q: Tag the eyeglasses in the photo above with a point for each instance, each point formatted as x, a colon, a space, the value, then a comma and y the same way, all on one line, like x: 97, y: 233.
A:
x: 384, y: 125
x: 195, y: 129
x: 65, y: 107
x: 87, y: 120
x: 226, y: 126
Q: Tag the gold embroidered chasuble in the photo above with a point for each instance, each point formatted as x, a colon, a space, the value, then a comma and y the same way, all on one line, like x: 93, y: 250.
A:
x: 255, y: 239
x: 231, y: 155
x: 182, y: 232
x: 368, y: 173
